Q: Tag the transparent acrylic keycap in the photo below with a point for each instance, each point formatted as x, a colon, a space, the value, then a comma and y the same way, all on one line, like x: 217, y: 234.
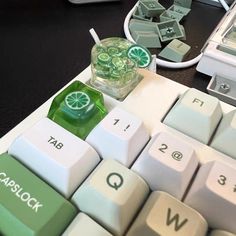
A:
x: 114, y: 70
x: 78, y: 108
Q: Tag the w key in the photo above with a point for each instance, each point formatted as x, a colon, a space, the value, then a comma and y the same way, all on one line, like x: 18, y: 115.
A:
x: 164, y: 215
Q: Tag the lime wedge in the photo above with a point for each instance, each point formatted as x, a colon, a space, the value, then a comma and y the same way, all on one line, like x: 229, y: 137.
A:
x: 118, y: 62
x: 113, y: 51
x: 104, y: 57
x: 139, y: 54
x: 77, y: 100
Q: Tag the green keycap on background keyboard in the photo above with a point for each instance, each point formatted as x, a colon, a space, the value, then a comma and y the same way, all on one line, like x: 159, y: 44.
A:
x: 78, y: 108
x: 28, y: 206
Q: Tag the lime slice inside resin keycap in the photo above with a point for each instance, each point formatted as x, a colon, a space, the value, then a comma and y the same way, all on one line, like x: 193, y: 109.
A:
x: 78, y: 108
x: 77, y: 100
x: 118, y: 62
x: 104, y: 57
x: 113, y: 51
x: 111, y: 68
x: 140, y: 54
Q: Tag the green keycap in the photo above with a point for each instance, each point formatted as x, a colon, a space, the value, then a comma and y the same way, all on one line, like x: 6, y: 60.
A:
x: 28, y: 206
x: 175, y: 51
x: 78, y: 108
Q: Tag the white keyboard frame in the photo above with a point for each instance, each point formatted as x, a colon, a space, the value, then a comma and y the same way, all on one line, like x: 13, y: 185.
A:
x: 157, y: 91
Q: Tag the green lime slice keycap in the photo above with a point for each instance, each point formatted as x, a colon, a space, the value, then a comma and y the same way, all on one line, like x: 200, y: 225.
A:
x: 78, y: 108
x: 77, y: 100
x: 140, y: 54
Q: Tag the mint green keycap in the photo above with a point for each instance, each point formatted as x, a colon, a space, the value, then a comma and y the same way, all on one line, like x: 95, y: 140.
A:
x: 78, y: 108
x: 28, y: 206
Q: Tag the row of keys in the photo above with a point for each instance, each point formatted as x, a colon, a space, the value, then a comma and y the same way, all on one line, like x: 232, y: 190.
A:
x: 198, y: 115
x: 112, y: 195
x: 56, y: 155
x: 42, y: 149
x: 80, y: 108
x: 47, y: 146
x: 84, y: 225
x: 166, y: 163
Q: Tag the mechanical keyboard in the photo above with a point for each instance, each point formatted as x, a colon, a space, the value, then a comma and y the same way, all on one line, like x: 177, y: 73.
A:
x: 159, y: 162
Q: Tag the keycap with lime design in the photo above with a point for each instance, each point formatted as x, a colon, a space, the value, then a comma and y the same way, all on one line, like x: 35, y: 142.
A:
x: 113, y: 72
x: 140, y: 54
x: 78, y: 108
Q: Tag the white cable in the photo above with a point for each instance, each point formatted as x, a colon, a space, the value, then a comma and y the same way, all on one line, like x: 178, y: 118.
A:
x: 224, y: 4
x: 159, y: 62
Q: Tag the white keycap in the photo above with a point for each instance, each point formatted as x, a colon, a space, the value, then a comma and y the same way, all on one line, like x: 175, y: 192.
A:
x: 220, y: 233
x: 85, y: 226
x: 59, y: 157
x: 167, y: 164
x: 111, y: 195
x: 224, y: 139
x: 164, y: 215
x: 119, y: 136
x: 213, y: 194
x: 195, y: 114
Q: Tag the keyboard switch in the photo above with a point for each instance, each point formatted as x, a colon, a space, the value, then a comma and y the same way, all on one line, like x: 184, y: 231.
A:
x: 111, y: 195
x: 119, y: 136
x: 213, y: 194
x: 162, y: 214
x: 28, y: 206
x: 58, y: 156
x: 167, y: 164
x: 196, y: 114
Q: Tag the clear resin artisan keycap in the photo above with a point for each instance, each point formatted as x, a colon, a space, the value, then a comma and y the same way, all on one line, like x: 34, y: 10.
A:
x: 78, y: 108
x: 114, y: 64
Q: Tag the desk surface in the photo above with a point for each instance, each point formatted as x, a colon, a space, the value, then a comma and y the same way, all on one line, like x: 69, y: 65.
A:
x: 44, y: 44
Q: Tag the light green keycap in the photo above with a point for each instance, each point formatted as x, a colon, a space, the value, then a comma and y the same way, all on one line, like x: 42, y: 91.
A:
x: 138, y: 14
x: 111, y: 195
x: 225, y: 136
x: 169, y: 30
x: 151, y: 8
x: 147, y: 39
x: 85, y: 226
x: 196, y: 114
x: 179, y: 9
x: 140, y: 25
x: 175, y: 51
x: 28, y: 206
x: 163, y: 215
x: 168, y: 15
x: 220, y: 233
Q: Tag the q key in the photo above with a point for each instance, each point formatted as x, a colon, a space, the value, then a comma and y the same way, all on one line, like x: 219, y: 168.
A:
x: 111, y: 195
